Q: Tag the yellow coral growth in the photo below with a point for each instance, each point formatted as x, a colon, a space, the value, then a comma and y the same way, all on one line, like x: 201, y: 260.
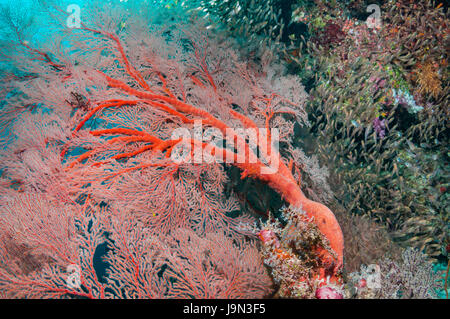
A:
x: 428, y: 80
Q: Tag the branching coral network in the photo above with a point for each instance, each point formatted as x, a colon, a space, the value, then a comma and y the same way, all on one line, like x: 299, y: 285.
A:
x: 282, y: 181
x: 144, y: 89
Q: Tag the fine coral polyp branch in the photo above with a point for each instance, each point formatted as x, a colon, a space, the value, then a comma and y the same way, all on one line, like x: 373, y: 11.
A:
x: 135, y: 74
x: 101, y: 106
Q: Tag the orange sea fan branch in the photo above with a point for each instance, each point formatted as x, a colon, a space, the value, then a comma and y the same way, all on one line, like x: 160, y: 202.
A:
x: 135, y: 74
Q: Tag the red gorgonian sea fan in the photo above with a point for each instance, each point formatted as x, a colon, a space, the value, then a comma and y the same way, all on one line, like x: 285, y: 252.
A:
x: 89, y: 159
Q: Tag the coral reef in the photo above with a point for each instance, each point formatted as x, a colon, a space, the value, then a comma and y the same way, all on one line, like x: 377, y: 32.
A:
x: 225, y: 149
x: 289, y: 253
x: 412, y: 278
x: 59, y: 248
x: 379, y: 96
x: 126, y: 135
x: 379, y: 103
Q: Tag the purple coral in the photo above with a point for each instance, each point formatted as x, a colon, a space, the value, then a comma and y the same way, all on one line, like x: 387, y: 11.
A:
x: 380, y: 127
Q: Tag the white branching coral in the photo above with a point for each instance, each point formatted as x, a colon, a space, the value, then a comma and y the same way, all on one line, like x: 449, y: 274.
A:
x: 412, y: 278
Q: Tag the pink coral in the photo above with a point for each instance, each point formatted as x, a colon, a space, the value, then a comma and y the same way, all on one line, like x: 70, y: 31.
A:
x: 328, y: 293
x: 114, y: 104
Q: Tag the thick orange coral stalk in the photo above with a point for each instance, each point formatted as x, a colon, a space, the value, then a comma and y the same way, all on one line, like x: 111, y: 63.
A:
x: 285, y: 184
